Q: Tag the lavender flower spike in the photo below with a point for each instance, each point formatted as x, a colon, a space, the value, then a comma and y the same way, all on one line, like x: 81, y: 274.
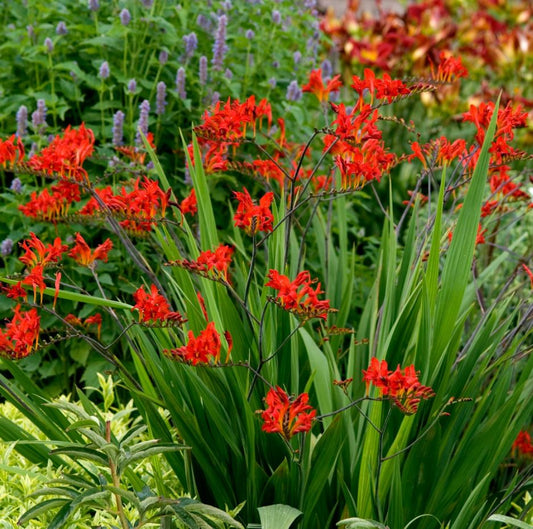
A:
x: 49, y: 45
x: 22, y: 121
x: 132, y: 86
x: 125, y: 17
x: 94, y: 5
x: 38, y: 118
x: 276, y: 16
x: 103, y: 72
x: 142, y: 124
x: 16, y: 185
x: 118, y: 128
x: 61, y: 28
x: 191, y: 42
x: 202, y: 73
x: 294, y: 92
x: 161, y: 98
x: 6, y: 247
x: 163, y: 57
x: 180, y: 83
x: 219, y: 47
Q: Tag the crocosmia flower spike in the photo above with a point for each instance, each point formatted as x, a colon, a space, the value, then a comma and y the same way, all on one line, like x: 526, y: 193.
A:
x: 253, y: 218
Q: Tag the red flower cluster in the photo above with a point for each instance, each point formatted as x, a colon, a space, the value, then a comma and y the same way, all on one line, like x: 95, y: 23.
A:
x: 298, y: 296
x: 385, y: 88
x: 153, y: 307
x: 228, y: 123
x: 522, y: 444
x: 189, y: 204
x: 84, y: 256
x: 448, y: 68
x: 21, y: 335
x: 440, y: 150
x: 251, y: 218
x: 201, y: 349
x: 285, y: 415
x: 95, y: 319
x: 402, y: 387
x: 11, y: 151
x: 211, y: 265
x: 316, y: 85
x: 65, y: 155
x: 140, y: 206
x: 37, y: 253
x: 52, y: 206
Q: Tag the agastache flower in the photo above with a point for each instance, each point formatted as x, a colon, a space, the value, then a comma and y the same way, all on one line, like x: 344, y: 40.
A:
x: 163, y: 57
x: 180, y: 83
x: 22, y: 121
x: 132, y: 86
x: 202, y: 70
x: 38, y: 118
x: 16, y: 185
x: 142, y: 124
x: 294, y: 92
x: 401, y: 386
x: 125, y: 17
x: 286, y: 415
x: 191, y: 42
x: 6, y: 247
x: 253, y: 218
x: 103, y: 72
x: 61, y: 28
x: 161, y: 97
x: 49, y: 45
x: 84, y: 256
x: 219, y: 47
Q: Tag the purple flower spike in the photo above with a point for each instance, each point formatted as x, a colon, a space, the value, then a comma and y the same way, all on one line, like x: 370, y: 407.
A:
x: 38, y: 118
x: 249, y: 34
x: 94, y: 5
x: 118, y: 128
x: 180, y: 83
x: 16, y: 185
x: 219, y: 47
x: 327, y: 69
x: 272, y: 82
x: 142, y: 125
x: 190, y: 42
x: 161, y: 98
x: 132, y: 86
x: 203, y: 22
x: 163, y: 57
x: 6, y: 247
x: 49, y: 45
x: 22, y: 121
x: 202, y: 73
x: 297, y: 57
x: 61, y: 28
x: 125, y: 17
x: 276, y: 16
x: 294, y: 92
x: 103, y: 72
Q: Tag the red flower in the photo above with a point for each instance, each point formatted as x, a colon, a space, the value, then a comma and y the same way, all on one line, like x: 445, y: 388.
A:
x: 299, y: 296
x: 189, y: 204
x: 83, y: 255
x: 10, y: 150
x: 448, y: 68
x: 153, y: 306
x: 211, y: 265
x: 316, y: 85
x: 38, y: 253
x: 201, y: 349
x: 66, y: 154
x: 21, y: 335
x: 251, y: 218
x: 402, y: 387
x: 36, y: 280
x: 285, y: 415
x: 385, y: 88
x: 522, y: 444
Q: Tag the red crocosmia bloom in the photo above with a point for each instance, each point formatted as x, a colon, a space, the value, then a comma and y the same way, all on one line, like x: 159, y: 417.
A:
x: 253, y: 218
x: 189, y: 204
x: 528, y: 272
x: 385, y: 88
x: 522, y: 444
x: 38, y: 253
x: 316, y: 85
x: 16, y: 291
x: 11, y: 151
x: 73, y: 320
x: 84, y: 256
x: 209, y: 264
x: 52, y: 207
x: 285, y: 415
x: 201, y: 301
x: 36, y: 280
x: 201, y: 349
x: 449, y: 67
x: 298, y: 296
x: 65, y: 154
x: 480, y: 237
x: 401, y: 386
x: 57, y: 284
x: 153, y: 306
x: 21, y: 335
x: 95, y: 319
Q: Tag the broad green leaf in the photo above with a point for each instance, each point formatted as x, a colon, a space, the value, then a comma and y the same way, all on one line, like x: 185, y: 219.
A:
x: 277, y: 516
